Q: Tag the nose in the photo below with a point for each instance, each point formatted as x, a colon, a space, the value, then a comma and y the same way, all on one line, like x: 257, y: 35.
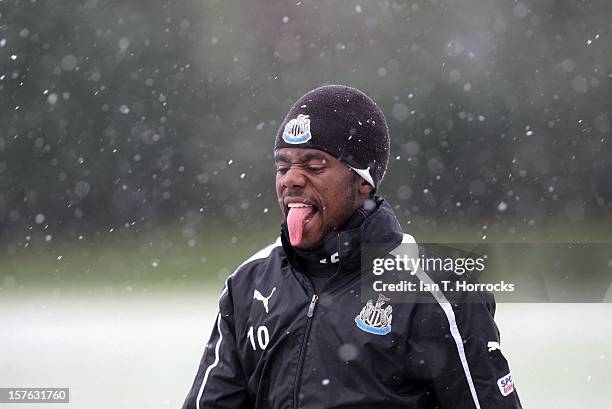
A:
x: 294, y: 178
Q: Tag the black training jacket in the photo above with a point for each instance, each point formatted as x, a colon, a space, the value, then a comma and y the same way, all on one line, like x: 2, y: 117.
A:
x: 277, y: 345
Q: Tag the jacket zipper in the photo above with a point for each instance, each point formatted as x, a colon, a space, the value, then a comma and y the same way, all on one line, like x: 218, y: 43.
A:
x: 301, y: 356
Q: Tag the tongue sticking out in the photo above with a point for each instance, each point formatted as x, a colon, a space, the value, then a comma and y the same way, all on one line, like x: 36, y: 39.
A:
x: 295, y: 223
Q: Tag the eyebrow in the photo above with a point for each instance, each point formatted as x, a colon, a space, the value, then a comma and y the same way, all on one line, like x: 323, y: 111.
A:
x: 306, y: 158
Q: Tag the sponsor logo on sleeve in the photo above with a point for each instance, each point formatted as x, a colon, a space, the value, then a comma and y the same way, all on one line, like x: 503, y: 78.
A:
x: 506, y: 387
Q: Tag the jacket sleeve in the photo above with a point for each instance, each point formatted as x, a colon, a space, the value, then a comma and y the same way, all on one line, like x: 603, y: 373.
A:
x: 469, y: 368
x: 220, y: 382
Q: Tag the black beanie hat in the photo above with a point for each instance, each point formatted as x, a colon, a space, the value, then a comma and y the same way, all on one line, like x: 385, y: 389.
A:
x: 343, y: 122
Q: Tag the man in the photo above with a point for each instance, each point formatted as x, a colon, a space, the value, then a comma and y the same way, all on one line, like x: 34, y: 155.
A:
x: 293, y: 330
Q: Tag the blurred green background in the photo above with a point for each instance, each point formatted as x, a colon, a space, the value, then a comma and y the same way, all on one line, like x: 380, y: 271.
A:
x: 146, y: 129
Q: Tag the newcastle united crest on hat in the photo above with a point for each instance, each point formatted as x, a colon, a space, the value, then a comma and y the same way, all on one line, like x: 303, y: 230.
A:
x: 297, y: 130
x: 374, y: 319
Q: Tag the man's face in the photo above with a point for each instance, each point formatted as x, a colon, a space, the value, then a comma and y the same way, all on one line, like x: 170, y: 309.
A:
x: 316, y: 192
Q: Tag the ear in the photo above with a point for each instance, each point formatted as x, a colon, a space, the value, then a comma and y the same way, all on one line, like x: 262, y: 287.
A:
x: 364, y: 187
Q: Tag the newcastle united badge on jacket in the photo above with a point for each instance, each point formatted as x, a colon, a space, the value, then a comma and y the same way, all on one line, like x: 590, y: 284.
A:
x: 374, y: 319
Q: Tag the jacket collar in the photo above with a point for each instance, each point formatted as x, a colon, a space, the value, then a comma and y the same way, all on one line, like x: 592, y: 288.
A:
x: 378, y: 234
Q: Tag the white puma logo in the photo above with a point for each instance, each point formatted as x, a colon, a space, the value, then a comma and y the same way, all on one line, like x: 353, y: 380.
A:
x: 257, y: 296
x: 492, y: 345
